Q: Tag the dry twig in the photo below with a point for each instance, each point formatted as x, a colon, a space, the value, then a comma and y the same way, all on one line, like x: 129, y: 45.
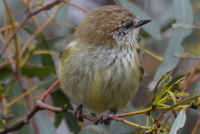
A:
x: 40, y: 105
x: 26, y: 18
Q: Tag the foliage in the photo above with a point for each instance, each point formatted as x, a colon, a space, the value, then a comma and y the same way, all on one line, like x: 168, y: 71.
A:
x: 171, y: 41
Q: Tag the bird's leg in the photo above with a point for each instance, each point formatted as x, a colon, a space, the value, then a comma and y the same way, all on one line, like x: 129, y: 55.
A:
x: 105, y: 117
x: 93, y: 114
x: 78, y: 112
x: 113, y: 111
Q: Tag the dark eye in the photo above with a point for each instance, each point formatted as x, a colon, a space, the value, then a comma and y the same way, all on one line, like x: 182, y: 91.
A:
x: 128, y: 25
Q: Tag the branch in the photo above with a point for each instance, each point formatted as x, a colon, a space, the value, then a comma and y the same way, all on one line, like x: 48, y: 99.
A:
x: 196, y: 127
x: 10, y: 55
x: 34, y: 12
x: 191, y: 78
x: 177, y: 104
x: 26, y: 18
x: 40, y: 105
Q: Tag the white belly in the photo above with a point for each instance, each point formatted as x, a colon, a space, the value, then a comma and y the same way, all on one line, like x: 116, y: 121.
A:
x: 101, y: 79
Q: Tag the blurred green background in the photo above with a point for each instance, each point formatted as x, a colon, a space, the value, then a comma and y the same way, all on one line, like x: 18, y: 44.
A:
x: 173, y: 38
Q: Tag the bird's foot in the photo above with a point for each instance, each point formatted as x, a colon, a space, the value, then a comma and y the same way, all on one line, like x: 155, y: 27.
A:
x: 78, y: 112
x: 105, y: 118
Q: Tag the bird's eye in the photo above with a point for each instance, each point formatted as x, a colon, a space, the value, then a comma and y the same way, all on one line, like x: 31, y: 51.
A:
x: 128, y: 25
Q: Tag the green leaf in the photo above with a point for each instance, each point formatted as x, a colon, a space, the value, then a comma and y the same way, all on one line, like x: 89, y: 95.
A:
x: 189, y: 55
x: 46, y: 83
x: 19, y: 109
x: 158, y: 94
x: 166, y: 17
x: 4, y: 75
x: 47, y: 60
x: 183, y: 15
x: 183, y: 12
x: 44, y: 124
x: 174, y: 83
x: 61, y: 29
x: 54, y: 40
x: 30, y: 28
x: 195, y: 51
x: 35, y: 71
x: 5, y: 71
x: 2, y: 125
x: 59, y: 100
x: 178, y: 123
x: 183, y: 94
x: 192, y: 44
x: 172, y: 96
x: 197, y: 86
x: 152, y: 28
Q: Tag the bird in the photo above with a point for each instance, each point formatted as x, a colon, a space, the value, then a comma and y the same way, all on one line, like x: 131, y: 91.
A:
x: 101, y: 67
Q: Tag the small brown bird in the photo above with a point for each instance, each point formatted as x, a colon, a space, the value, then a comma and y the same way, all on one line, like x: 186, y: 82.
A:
x: 100, y: 68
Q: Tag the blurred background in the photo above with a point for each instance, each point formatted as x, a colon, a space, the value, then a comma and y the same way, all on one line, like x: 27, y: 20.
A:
x: 170, y: 42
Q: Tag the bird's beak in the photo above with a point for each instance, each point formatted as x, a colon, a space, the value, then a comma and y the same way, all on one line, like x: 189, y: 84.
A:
x: 142, y: 22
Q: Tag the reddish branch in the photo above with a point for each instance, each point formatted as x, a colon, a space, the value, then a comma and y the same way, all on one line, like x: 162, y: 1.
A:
x: 193, y: 76
x: 30, y: 14
x: 26, y: 18
x: 40, y: 105
x: 50, y: 89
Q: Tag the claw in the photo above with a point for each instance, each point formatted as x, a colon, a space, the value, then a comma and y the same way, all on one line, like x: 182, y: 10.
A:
x: 105, y: 118
x: 78, y: 112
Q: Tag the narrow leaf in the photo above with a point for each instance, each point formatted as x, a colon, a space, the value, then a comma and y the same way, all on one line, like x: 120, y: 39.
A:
x: 45, y: 124
x: 172, y: 96
x: 178, y: 123
x: 34, y: 71
x: 5, y: 71
x: 152, y: 28
x: 19, y: 109
x: 60, y: 99
x: 183, y: 15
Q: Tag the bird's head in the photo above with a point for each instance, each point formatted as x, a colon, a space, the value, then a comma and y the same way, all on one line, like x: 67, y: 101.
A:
x: 109, y: 25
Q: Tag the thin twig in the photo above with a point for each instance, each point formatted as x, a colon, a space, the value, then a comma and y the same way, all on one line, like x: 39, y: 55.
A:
x: 191, y: 78
x: 75, y: 5
x: 188, y: 81
x: 40, y: 105
x: 34, y: 12
x: 26, y: 18
x: 12, y: 21
x: 10, y: 56
x: 55, y: 84
x: 30, y: 4
x: 196, y: 128
x: 114, y: 117
x: 28, y: 102
x: 136, y: 112
x: 177, y: 104
x: 7, y: 27
x: 40, y: 29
